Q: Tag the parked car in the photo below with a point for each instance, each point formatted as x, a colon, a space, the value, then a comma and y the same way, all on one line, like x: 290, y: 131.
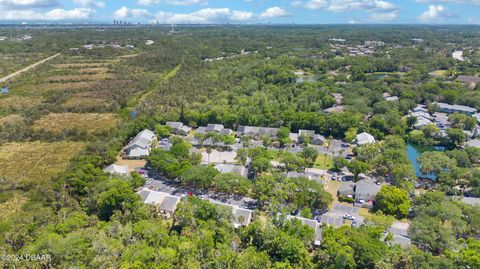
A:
x: 349, y: 217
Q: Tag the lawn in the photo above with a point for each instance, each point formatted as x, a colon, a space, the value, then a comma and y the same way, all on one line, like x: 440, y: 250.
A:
x: 92, y: 123
x: 324, y: 162
x: 36, y: 161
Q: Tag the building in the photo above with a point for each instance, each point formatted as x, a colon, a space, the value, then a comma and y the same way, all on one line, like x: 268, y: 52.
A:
x: 450, y: 109
x: 164, y: 202
x: 365, y: 192
x: 334, y: 109
x: 232, y: 168
x: 471, y: 81
x: 116, y: 169
x: 364, y: 138
x: 217, y: 128
x: 346, y: 190
x: 241, y: 216
x: 184, y: 131
x: 312, y: 224
x: 174, y: 125
x: 257, y: 132
x: 421, y: 122
x: 140, y: 146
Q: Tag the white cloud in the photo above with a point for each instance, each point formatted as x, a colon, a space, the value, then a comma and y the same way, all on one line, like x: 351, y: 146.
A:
x: 242, y: 16
x: 379, y: 10
x: 54, y: 14
x: 435, y: 13
x: 202, y: 16
x: 90, y: 3
x: 316, y: 4
x: 22, y: 4
x: 273, y: 12
x: 173, y: 2
x: 124, y: 13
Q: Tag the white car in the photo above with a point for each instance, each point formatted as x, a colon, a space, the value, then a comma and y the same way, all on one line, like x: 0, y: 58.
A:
x: 349, y: 217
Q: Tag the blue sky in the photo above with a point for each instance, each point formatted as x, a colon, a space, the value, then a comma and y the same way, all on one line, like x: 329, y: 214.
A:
x: 246, y: 11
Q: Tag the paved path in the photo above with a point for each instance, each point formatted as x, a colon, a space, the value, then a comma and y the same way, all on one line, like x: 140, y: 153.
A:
x: 27, y: 68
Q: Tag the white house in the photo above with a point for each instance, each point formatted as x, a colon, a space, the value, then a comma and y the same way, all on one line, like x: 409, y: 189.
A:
x: 364, y: 138
x: 117, y: 169
x: 140, y: 145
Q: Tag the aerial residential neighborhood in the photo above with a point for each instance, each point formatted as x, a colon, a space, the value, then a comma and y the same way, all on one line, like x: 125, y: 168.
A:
x: 240, y: 134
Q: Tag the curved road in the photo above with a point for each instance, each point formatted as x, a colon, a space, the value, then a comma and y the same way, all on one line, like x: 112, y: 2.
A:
x: 27, y: 68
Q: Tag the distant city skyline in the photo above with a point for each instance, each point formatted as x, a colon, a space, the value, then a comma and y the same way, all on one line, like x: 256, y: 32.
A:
x: 245, y: 11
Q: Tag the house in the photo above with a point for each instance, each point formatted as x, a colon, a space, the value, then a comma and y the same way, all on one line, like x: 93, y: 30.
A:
x: 140, y: 145
x: 116, y: 169
x: 421, y: 122
x: 318, y: 140
x: 247, y: 130
x: 217, y: 128
x: 226, y: 131
x: 420, y: 108
x: 4, y: 90
x: 241, y: 216
x: 365, y: 192
x: 232, y: 168
x: 174, y: 125
x: 334, y: 109
x: 257, y: 132
x: 312, y: 224
x: 293, y: 138
x: 346, y: 190
x: 184, y: 131
x: 164, y: 202
x: 201, y: 130
x: 470, y: 80
x: 450, y: 109
x: 364, y: 138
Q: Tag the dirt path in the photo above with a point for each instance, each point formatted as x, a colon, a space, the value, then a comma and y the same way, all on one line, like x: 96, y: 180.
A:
x: 27, y: 68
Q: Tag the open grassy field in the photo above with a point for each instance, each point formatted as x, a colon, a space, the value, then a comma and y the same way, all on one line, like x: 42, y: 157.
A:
x: 36, y: 161
x: 80, y: 77
x: 92, y: 123
x: 324, y: 162
x: 10, y: 119
x: 19, y: 102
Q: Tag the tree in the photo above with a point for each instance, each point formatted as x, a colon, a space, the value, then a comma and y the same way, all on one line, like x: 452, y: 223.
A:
x: 260, y: 165
x: 456, y: 136
x: 283, y: 136
x: 351, y: 134
x: 393, y: 201
x: 163, y: 130
x: 309, y: 155
x: 112, y: 195
x: 357, y: 167
x: 242, y: 156
x: 435, y: 162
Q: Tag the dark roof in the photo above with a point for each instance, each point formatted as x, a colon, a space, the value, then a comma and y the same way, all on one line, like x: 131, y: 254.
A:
x: 469, y: 79
x: 169, y: 203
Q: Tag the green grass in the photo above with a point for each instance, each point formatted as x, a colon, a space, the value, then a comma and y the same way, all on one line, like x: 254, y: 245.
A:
x: 324, y: 162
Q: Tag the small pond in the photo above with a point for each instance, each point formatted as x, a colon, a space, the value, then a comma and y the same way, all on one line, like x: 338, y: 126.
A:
x: 413, y: 153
